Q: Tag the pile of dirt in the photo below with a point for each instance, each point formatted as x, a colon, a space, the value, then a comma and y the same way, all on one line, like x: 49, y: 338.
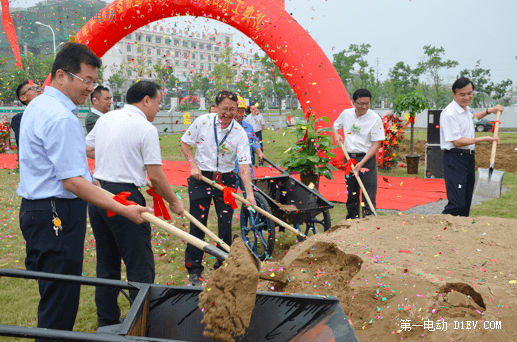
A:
x: 415, y: 278
x: 505, y: 160
x: 228, y: 298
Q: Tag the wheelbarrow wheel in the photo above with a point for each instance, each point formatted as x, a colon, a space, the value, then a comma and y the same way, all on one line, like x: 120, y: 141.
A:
x: 258, y: 231
x: 319, y: 223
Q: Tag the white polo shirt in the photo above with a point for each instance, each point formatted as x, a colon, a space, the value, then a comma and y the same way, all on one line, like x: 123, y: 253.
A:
x: 456, y: 123
x: 360, y: 131
x: 256, y: 121
x: 125, y: 142
x: 201, y: 134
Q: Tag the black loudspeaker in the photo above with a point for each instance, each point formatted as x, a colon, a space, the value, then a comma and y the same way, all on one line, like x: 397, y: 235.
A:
x: 433, y: 126
x: 433, y: 161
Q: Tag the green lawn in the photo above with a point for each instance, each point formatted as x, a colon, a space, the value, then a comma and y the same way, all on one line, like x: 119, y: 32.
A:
x: 19, y: 297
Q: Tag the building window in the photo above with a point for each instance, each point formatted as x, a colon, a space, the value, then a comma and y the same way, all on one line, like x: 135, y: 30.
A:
x: 158, y: 40
x: 209, y: 58
x: 178, y: 63
x: 209, y: 67
x: 193, y: 55
x: 158, y: 52
x: 176, y: 53
x: 148, y: 39
x: 128, y: 48
x: 176, y: 42
x: 192, y: 44
x: 149, y: 51
x: 129, y: 73
x: 139, y: 50
x: 150, y: 62
x: 201, y: 46
x: 193, y: 65
x: 209, y: 47
x: 216, y: 48
x: 185, y: 44
x: 128, y: 36
x: 201, y: 56
x: 139, y: 37
x: 185, y: 64
x: 139, y: 62
x: 150, y: 75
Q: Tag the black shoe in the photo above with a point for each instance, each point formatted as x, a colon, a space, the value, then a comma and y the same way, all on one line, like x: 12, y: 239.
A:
x: 194, y: 279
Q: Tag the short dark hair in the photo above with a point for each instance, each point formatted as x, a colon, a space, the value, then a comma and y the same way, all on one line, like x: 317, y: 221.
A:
x: 362, y: 93
x: 71, y: 56
x: 141, y: 89
x: 98, y: 91
x: 248, y: 110
x: 213, y: 106
x: 462, y: 82
x: 226, y: 94
x: 19, y: 90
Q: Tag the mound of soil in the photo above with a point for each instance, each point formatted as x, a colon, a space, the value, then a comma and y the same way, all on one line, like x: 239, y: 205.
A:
x: 414, y: 278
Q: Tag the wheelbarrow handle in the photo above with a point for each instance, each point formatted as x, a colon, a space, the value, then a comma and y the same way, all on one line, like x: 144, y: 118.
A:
x: 201, y: 226
x: 494, y: 144
x: 212, y: 250
x: 276, y: 167
x: 257, y: 208
x: 365, y: 194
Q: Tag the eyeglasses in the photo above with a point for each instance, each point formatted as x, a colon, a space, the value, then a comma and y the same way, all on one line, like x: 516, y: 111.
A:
x: 88, y: 83
x: 226, y: 110
x: 31, y: 88
x: 366, y: 104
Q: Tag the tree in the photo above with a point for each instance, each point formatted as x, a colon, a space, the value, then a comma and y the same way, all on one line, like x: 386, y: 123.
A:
x: 364, y: 77
x: 243, y: 84
x: 201, y: 84
x: 402, y: 80
x: 500, y: 89
x: 432, y: 65
x: 35, y: 68
x: 223, y: 71
x: 481, y: 79
x: 116, y: 80
x: 278, y: 84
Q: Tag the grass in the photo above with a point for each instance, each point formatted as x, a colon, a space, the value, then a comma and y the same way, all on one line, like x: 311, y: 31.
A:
x: 19, y: 297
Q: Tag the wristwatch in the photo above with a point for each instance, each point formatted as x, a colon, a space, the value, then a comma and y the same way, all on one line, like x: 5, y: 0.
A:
x: 487, y: 111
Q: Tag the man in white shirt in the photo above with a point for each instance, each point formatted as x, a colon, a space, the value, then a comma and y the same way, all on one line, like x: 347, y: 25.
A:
x: 256, y: 120
x: 218, y: 139
x: 457, y: 139
x: 125, y: 146
x: 363, y: 135
x: 101, y: 99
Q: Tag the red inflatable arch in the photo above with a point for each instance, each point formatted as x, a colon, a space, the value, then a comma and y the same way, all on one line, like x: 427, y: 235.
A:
x: 299, y: 58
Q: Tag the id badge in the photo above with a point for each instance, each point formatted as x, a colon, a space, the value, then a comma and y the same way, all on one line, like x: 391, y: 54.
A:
x: 218, y: 177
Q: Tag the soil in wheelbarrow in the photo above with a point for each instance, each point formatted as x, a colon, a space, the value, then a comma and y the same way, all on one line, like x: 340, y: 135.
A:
x: 413, y: 278
x: 228, y: 298
x: 505, y: 160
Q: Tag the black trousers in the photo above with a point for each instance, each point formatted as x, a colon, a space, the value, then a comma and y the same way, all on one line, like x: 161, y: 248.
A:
x: 369, y: 180
x: 201, y: 195
x: 460, y: 177
x: 259, y: 137
x: 62, y: 254
x: 119, y: 238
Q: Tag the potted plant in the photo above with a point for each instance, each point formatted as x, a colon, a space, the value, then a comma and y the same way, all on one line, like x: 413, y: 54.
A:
x: 310, y: 155
x: 411, y: 103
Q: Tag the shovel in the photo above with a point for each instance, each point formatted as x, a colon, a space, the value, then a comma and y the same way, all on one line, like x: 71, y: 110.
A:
x: 490, y: 181
x: 365, y: 194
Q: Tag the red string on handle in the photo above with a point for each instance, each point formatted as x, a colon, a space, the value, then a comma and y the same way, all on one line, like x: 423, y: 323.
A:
x: 228, y: 197
x: 160, y: 209
x: 349, y: 164
x: 122, y: 199
x: 493, y: 124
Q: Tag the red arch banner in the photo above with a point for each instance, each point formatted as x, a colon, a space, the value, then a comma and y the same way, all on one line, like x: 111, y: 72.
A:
x: 299, y: 58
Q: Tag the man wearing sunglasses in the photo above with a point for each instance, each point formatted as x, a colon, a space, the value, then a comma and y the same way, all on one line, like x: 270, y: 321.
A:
x: 56, y: 183
x: 26, y: 92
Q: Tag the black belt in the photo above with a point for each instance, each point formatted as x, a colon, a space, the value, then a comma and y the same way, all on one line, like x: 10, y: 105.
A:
x: 356, y: 155
x: 103, y: 182
x: 211, y: 172
x: 56, y: 199
x: 462, y: 150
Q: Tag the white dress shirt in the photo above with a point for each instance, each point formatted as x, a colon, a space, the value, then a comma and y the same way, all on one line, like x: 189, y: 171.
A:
x: 125, y: 142
x: 96, y: 112
x: 256, y: 121
x: 456, y: 123
x: 360, y: 132
x: 201, y: 134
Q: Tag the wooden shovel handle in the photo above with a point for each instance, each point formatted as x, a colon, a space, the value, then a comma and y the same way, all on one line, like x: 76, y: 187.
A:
x: 494, y: 143
x: 202, y: 245
x: 260, y: 210
x: 365, y: 194
x: 202, y: 227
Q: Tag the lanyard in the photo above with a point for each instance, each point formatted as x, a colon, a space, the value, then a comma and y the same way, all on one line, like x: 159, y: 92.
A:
x: 217, y: 140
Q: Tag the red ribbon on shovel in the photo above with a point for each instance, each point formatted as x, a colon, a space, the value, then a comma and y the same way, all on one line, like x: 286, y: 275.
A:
x: 160, y: 209
x: 228, y: 197
x: 494, y: 122
x: 122, y: 199
x: 349, y: 164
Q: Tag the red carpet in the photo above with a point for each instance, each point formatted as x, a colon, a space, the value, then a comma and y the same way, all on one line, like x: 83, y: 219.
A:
x: 398, y: 193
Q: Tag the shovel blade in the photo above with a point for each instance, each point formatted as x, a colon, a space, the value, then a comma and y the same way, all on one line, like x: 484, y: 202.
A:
x: 489, y: 183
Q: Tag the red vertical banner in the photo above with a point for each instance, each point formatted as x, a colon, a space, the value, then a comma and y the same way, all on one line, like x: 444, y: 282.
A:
x: 7, y: 23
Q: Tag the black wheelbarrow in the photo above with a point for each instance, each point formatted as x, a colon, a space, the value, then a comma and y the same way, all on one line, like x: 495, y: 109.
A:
x: 171, y: 313
x: 289, y: 200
